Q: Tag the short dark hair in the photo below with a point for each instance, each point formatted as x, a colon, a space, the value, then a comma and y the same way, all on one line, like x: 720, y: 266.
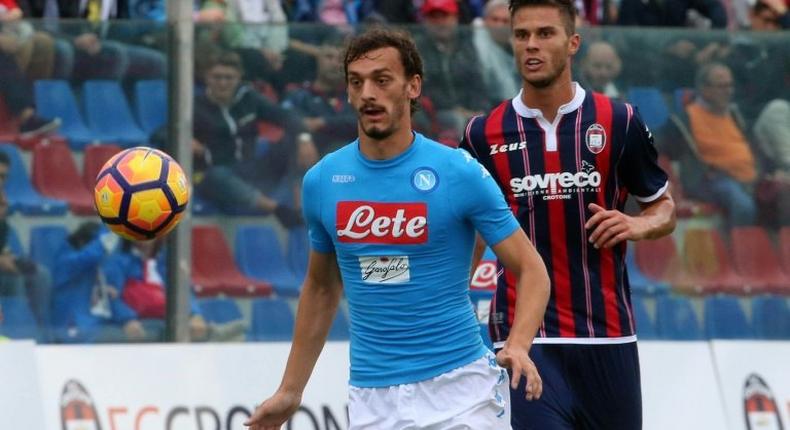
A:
x: 566, y: 8
x: 227, y: 59
x: 4, y: 159
x: 378, y: 38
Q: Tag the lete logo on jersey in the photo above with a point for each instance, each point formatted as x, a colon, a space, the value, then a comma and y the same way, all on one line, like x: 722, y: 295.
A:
x: 375, y: 222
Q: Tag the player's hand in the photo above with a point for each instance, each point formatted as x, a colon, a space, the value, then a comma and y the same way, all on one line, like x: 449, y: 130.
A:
x: 519, y: 363
x: 610, y: 227
x: 274, y: 411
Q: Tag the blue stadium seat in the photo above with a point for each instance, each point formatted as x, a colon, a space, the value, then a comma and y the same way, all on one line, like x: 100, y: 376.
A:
x: 151, y: 104
x: 14, y: 244
x: 45, y: 242
x: 339, y: 329
x: 298, y: 251
x: 219, y: 310
x: 54, y: 98
x: 640, y: 283
x: 725, y: 319
x: 676, y: 320
x: 771, y: 317
x: 272, y: 320
x: 109, y: 115
x: 645, y: 328
x: 651, y: 105
x: 18, y: 320
x: 21, y: 195
x: 201, y: 206
x: 259, y: 255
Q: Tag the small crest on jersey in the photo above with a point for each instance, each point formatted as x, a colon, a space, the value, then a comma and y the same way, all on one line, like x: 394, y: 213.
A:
x: 595, y: 138
x: 424, y: 179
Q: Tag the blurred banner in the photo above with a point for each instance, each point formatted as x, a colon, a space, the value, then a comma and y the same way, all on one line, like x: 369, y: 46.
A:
x: 755, y: 383
x: 686, y: 386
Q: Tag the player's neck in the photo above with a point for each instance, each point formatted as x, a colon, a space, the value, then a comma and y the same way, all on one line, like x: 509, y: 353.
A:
x: 387, y: 148
x: 549, y: 99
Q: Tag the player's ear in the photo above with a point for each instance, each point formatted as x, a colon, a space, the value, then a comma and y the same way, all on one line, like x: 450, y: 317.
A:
x: 574, y: 42
x: 414, y: 87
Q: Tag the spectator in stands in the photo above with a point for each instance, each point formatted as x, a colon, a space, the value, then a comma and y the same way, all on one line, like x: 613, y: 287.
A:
x: 710, y: 139
x: 20, y: 276
x: 137, y: 272
x: 453, y: 79
x: 84, y: 307
x: 670, y: 13
x: 772, y: 134
x: 769, y: 15
x: 325, y: 101
x: 225, y: 131
x: 492, y: 44
x: 600, y: 69
x: 18, y: 43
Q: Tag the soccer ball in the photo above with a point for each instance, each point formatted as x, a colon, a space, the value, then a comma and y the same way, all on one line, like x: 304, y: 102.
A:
x: 141, y: 193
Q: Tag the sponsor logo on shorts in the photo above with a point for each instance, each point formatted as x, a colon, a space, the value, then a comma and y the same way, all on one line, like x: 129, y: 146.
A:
x: 385, y: 270
x: 385, y: 223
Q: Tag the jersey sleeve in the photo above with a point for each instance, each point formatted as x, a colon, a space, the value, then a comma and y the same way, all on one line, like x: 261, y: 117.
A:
x: 482, y: 203
x: 471, y: 141
x: 320, y: 239
x: 638, y: 167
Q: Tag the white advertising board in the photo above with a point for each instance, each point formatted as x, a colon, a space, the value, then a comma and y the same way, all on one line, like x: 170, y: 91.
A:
x: 182, y: 387
x: 679, y: 387
x: 754, y: 378
x: 20, y: 404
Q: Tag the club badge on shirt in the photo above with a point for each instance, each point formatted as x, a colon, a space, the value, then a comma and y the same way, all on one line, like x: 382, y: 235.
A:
x: 595, y: 138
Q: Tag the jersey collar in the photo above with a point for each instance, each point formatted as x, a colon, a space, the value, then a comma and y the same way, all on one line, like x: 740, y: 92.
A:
x: 528, y: 112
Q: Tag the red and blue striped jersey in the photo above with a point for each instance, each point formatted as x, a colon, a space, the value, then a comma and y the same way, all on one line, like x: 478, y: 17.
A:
x: 595, y: 151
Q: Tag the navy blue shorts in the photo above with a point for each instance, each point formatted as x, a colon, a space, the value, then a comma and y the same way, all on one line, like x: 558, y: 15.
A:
x: 584, y: 387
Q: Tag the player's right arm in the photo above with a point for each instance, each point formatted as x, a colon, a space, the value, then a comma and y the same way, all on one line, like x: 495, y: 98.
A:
x: 318, y: 304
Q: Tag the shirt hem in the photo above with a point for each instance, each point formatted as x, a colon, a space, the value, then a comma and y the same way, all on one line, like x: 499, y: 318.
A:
x: 577, y: 341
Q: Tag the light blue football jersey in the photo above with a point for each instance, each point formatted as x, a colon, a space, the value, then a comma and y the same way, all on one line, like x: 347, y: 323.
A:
x: 403, y: 230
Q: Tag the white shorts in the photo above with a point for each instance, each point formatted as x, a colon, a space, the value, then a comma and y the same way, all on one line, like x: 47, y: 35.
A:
x: 473, y: 397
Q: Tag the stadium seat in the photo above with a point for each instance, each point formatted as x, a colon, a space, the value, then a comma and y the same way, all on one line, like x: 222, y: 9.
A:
x: 298, y: 251
x: 771, y: 317
x: 213, y: 270
x: 150, y: 102
x: 18, y: 320
x: 640, y: 283
x: 54, y: 98
x: 676, y: 320
x: 659, y: 261
x: 651, y: 106
x: 725, y: 319
x: 645, y: 328
x: 14, y: 244
x: 55, y: 175
x: 684, y: 206
x: 784, y: 248
x: 45, y: 242
x: 708, y: 265
x: 756, y: 260
x: 260, y: 256
x: 93, y: 160
x: 682, y: 97
x: 21, y: 195
x: 339, y: 329
x: 109, y: 115
x: 272, y: 320
x: 220, y: 310
x: 201, y: 206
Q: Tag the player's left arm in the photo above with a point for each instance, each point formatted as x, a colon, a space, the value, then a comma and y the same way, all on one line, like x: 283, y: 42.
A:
x: 638, y: 169
x: 520, y: 257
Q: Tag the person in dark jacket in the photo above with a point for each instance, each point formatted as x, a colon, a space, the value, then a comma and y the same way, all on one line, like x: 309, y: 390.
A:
x: 670, y: 13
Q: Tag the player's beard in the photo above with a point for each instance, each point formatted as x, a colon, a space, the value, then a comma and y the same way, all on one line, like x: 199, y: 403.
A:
x: 381, y: 132
x: 551, y: 78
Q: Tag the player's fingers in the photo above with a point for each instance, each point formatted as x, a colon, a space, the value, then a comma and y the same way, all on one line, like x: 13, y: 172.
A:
x: 616, y: 239
x: 595, y: 208
x: 534, y: 383
x: 612, y: 229
x: 516, y: 378
x: 600, y: 229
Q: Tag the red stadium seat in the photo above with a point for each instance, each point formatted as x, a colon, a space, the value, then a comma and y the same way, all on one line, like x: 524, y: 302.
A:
x: 9, y: 126
x: 94, y: 158
x: 756, y: 260
x: 708, y: 265
x: 55, y: 175
x: 784, y: 248
x: 214, y: 271
x: 659, y: 260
